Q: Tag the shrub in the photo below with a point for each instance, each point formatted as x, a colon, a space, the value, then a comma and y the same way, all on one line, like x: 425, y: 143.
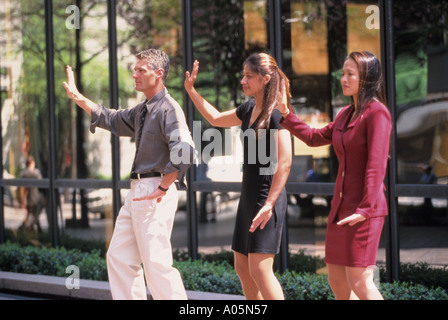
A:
x: 421, y: 273
x: 43, y: 239
x: 301, y: 262
x: 51, y: 261
x: 409, y: 291
x: 206, y: 275
x: 305, y: 286
x: 424, y: 274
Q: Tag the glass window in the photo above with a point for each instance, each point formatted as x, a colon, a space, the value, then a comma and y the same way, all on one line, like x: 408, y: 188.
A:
x: 84, y: 46
x: 141, y: 25
x: 144, y: 24
x: 422, y: 232
x: 306, y: 62
x: 421, y: 64
x: 94, y: 224
x: 24, y: 113
x: 24, y: 107
x: 238, y: 28
x: 317, y: 37
x: 225, y: 33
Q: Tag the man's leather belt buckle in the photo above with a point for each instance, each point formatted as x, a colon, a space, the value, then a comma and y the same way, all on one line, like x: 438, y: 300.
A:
x: 135, y: 176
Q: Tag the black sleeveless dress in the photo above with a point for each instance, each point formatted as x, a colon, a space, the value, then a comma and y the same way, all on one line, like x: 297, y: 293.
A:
x: 258, y: 169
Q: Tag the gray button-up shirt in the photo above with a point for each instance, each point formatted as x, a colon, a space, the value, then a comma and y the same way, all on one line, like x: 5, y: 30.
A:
x: 166, y: 145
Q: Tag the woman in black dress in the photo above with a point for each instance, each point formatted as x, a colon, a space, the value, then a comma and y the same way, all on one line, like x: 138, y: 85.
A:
x: 262, y: 207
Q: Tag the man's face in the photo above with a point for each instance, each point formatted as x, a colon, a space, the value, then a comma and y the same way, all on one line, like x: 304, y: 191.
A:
x: 145, y: 77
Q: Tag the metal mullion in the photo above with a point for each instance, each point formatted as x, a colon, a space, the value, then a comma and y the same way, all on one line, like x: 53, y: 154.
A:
x: 275, y: 24
x: 215, y: 186
x: 83, y: 184
x: 187, y: 40
x: 275, y: 41
x: 114, y: 100
x: 421, y: 190
x: 2, y: 209
x: 26, y: 182
x: 391, y: 225
x: 49, y: 47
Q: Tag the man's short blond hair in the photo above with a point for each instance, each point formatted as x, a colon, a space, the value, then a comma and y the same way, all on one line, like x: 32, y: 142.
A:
x: 156, y: 59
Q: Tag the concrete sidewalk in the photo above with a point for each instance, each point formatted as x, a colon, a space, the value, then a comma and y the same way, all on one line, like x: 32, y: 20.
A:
x: 88, y: 289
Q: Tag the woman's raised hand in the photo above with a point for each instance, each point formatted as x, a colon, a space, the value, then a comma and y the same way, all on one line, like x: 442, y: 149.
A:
x: 191, y: 78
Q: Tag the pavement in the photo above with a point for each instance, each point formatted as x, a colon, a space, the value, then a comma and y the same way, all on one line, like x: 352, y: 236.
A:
x: 15, y: 286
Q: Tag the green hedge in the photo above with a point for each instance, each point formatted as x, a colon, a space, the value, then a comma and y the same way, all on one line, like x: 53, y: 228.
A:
x: 51, y: 261
x: 209, y: 274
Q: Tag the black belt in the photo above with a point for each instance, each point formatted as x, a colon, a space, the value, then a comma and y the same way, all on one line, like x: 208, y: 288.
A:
x: 135, y: 176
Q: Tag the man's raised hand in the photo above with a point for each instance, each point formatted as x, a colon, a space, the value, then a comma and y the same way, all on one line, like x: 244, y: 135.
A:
x: 70, y: 85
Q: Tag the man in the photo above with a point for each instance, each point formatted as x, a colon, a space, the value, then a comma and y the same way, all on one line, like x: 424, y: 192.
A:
x: 143, y: 228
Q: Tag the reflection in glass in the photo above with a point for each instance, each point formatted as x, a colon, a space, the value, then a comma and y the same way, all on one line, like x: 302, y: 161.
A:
x: 93, y: 227
x: 239, y: 28
x: 363, y: 27
x: 422, y: 232
x: 144, y: 24
x: 26, y: 209
x: 79, y: 153
x: 95, y: 224
x: 24, y: 116
x: 317, y: 37
x: 224, y: 35
x: 307, y: 69
x: 23, y: 86
x: 421, y: 65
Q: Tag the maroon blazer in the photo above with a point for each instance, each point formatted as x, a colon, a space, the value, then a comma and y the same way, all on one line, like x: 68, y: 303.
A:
x: 362, y: 148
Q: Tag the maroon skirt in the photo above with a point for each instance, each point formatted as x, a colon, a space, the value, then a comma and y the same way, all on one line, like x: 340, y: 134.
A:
x: 354, y: 246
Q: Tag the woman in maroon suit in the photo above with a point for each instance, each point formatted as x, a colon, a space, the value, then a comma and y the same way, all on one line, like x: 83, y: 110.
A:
x: 360, y: 136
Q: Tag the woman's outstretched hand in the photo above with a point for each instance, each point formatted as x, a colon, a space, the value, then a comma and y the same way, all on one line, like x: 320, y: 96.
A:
x: 352, y: 220
x: 191, y: 78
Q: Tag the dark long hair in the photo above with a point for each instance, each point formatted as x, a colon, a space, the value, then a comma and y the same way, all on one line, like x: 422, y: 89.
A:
x: 264, y: 64
x: 371, y: 82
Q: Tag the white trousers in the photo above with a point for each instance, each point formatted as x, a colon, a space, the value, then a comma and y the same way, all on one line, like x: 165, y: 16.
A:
x: 142, y: 235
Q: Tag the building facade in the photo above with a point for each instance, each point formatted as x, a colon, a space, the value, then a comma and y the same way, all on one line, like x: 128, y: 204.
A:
x: 84, y: 177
